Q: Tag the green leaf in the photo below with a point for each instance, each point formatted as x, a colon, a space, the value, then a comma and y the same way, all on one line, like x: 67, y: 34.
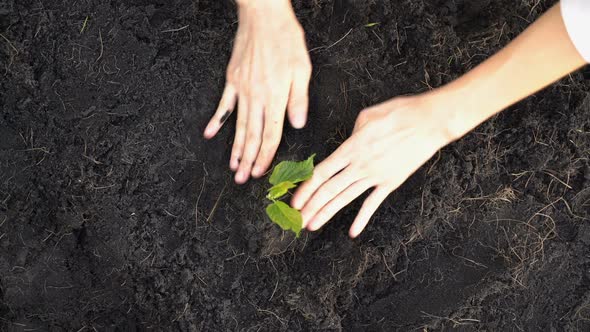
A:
x: 285, y: 216
x: 292, y: 171
x: 368, y: 25
x: 277, y: 191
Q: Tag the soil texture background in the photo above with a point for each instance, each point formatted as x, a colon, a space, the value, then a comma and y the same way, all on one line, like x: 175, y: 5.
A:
x: 115, y: 213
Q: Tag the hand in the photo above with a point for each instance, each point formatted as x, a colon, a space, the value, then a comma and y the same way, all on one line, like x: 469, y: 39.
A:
x: 390, y: 141
x: 268, y: 73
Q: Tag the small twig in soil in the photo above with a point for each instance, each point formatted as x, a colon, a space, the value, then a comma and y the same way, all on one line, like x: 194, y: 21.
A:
x: 9, y: 43
x: 216, y: 204
x: 48, y: 236
x: 183, y: 312
x: 201, y: 279
x: 197, y: 202
x: 278, y: 277
x: 471, y: 261
x: 332, y: 45
x: 170, y: 214
x: 558, y: 180
x: 148, y: 256
x: 102, y: 187
x: 388, y: 269
x: 434, y: 163
x: 84, y: 24
x: 234, y: 256
x: 456, y: 321
x: 176, y: 30
x: 422, y: 203
x: 101, y: 46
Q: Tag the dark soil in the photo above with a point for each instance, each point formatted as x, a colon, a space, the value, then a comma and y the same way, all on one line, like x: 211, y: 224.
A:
x: 115, y: 214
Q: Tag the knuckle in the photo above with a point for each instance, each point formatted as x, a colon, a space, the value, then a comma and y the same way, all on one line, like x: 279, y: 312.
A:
x: 328, y: 191
x: 237, y: 151
x: 298, y: 104
x: 318, y: 175
x: 232, y: 74
x: 262, y: 159
x: 267, y: 82
x: 251, y: 137
x: 363, y: 117
x: 248, y: 160
x: 241, y: 123
x: 263, y: 162
x: 255, y: 90
x: 267, y: 153
x: 274, y: 92
x: 270, y: 138
x: 363, y: 171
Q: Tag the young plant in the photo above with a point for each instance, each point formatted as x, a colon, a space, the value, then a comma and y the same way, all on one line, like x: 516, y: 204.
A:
x: 286, y: 175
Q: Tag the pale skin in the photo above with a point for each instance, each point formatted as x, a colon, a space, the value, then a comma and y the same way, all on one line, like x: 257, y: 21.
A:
x: 268, y: 74
x: 391, y: 140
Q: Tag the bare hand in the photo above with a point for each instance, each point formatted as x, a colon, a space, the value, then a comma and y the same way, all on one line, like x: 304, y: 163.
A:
x: 390, y: 141
x: 268, y: 73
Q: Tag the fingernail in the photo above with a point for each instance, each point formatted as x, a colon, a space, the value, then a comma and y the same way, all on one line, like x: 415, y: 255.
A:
x: 257, y: 171
x: 241, y: 177
x: 208, y: 131
x: 312, y: 227
x: 299, y: 121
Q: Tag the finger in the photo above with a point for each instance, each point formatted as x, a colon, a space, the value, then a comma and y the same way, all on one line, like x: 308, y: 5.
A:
x: 343, y: 199
x: 240, y: 136
x: 252, y: 144
x: 299, y: 98
x: 322, y: 173
x: 328, y: 191
x: 369, y: 207
x: 224, y: 110
x: 271, y: 136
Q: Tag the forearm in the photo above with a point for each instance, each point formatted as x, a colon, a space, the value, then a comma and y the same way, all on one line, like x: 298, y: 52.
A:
x: 541, y: 55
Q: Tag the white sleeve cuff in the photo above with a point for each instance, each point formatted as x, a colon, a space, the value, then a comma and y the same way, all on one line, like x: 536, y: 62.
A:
x: 576, y: 16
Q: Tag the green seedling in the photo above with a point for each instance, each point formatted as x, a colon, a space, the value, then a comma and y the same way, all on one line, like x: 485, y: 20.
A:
x: 286, y: 175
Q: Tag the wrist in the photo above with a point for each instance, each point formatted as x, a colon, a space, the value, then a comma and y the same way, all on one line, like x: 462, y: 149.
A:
x: 243, y: 4
x: 446, y: 113
x: 463, y: 104
x: 277, y: 13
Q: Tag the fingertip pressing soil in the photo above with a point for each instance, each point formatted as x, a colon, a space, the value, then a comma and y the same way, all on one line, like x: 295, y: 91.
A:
x: 115, y: 213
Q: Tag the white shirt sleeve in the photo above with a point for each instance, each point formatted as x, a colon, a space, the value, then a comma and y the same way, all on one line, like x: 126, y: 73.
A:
x: 576, y: 16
